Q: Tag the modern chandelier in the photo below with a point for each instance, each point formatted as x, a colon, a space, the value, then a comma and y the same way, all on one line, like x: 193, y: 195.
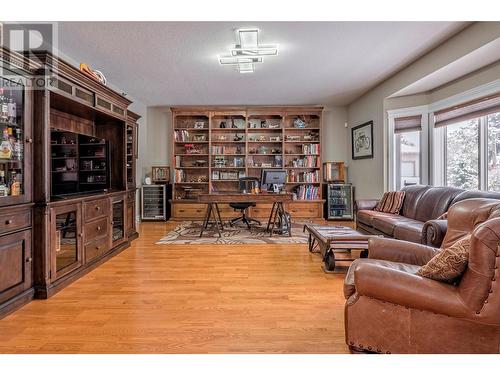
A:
x: 248, y: 52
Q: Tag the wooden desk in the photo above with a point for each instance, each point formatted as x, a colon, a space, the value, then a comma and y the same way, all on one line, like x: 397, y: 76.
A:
x: 213, y: 199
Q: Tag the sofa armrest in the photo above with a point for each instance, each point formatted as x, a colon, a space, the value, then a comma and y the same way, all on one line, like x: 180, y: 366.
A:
x: 366, y: 204
x: 400, y: 251
x: 405, y: 289
x: 433, y: 232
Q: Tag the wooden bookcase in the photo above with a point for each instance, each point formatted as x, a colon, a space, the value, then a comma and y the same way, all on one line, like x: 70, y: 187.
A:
x: 214, y: 146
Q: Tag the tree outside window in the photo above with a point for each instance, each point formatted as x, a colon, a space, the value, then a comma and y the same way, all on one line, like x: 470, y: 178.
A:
x: 462, y: 154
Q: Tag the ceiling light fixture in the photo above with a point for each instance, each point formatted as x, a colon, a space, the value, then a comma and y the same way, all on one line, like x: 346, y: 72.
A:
x: 248, y: 51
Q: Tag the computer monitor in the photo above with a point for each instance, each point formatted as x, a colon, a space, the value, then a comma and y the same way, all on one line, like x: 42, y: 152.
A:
x: 273, y: 179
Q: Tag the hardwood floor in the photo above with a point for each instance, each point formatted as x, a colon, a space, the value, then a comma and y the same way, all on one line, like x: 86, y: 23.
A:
x: 189, y: 299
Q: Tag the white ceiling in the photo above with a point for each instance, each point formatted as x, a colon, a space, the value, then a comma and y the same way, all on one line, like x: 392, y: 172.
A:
x: 175, y: 63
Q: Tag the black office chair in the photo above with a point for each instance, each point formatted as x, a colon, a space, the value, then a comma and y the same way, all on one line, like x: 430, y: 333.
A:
x: 245, y: 185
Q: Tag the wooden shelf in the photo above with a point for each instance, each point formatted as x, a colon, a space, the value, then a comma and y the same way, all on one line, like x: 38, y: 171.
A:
x: 281, y: 115
x: 191, y: 154
x: 190, y: 183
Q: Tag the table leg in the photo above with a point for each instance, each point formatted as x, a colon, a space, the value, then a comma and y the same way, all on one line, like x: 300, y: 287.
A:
x: 207, y: 218
x: 218, y: 215
x: 270, y: 217
x: 216, y: 222
x: 275, y: 211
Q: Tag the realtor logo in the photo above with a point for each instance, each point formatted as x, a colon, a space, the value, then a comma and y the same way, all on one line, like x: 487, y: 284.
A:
x: 28, y: 39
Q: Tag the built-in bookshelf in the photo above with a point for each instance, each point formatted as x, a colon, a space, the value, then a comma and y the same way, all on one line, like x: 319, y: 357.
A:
x: 214, y: 147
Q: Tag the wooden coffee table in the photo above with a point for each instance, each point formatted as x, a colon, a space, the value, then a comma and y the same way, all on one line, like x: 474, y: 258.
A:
x: 332, y: 239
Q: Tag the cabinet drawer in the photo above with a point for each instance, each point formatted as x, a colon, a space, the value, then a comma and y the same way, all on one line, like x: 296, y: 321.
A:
x: 15, y: 264
x: 190, y: 210
x: 96, y: 229
x: 95, y: 209
x: 309, y: 210
x: 96, y: 248
x: 10, y: 221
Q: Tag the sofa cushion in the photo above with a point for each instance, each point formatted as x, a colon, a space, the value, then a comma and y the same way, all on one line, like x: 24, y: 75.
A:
x: 349, y: 282
x: 387, y: 224
x: 449, y: 264
x: 391, y: 202
x: 424, y: 203
x: 409, y: 230
x: 366, y: 216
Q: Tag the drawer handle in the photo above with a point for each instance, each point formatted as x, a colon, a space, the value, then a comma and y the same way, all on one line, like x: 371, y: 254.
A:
x: 97, y: 247
x: 29, y: 140
x: 8, y: 222
x: 97, y: 208
x: 29, y: 260
x: 98, y: 228
x: 80, y: 234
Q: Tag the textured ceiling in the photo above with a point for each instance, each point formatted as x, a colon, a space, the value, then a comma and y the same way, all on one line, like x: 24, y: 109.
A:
x: 175, y: 63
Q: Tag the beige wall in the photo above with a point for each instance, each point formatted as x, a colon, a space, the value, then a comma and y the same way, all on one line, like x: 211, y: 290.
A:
x: 369, y: 175
x: 334, y: 134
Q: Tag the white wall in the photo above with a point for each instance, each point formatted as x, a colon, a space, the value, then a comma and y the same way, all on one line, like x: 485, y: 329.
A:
x: 369, y: 175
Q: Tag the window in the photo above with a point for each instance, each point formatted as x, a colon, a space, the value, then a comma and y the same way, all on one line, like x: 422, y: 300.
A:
x: 408, y: 160
x: 493, y: 124
x: 462, y: 154
x: 408, y: 133
x: 455, y: 145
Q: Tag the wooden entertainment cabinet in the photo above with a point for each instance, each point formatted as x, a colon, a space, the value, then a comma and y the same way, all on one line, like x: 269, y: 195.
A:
x: 214, y: 146
x: 75, y: 203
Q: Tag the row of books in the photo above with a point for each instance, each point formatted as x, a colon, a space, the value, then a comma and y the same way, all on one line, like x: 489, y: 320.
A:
x: 180, y: 175
x: 306, y: 161
x: 310, y: 149
x: 307, y: 192
x: 181, y: 136
x: 303, y: 176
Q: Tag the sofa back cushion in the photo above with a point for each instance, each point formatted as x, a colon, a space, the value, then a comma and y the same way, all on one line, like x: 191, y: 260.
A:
x: 468, y: 194
x: 424, y: 203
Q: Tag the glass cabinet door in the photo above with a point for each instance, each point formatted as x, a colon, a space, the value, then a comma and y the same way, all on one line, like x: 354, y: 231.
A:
x: 13, y: 174
x: 66, y: 237
x: 118, y: 232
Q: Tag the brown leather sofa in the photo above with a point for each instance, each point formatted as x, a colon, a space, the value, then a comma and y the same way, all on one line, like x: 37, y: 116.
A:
x: 390, y: 309
x: 417, y: 221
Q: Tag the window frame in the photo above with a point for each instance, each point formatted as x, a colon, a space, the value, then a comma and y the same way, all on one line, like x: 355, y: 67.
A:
x: 394, y: 174
x: 433, y: 148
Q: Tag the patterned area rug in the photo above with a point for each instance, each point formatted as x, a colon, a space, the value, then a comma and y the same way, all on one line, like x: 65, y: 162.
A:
x: 188, y: 232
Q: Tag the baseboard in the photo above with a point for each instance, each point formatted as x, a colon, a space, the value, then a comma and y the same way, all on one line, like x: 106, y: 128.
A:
x: 16, y: 302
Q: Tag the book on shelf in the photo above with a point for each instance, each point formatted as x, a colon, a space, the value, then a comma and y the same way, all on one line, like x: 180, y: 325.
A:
x: 307, y: 192
x: 311, y: 149
x: 303, y: 176
x: 181, y: 136
x: 308, y: 161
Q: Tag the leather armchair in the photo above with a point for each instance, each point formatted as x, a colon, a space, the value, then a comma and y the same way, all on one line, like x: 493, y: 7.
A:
x: 390, y: 309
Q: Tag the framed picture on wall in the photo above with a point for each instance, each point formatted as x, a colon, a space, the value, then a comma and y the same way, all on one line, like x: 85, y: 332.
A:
x: 362, y: 141
x: 160, y: 175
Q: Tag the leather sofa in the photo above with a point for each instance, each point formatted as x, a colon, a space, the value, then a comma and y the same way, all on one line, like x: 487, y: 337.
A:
x: 390, y: 309
x: 417, y: 221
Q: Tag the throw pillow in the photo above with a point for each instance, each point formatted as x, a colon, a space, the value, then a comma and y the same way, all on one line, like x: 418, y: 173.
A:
x: 391, y: 202
x: 449, y: 264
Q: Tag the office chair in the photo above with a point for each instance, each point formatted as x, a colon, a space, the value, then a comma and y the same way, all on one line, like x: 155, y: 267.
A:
x: 244, y: 185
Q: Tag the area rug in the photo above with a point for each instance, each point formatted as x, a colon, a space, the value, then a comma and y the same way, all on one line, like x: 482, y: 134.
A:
x: 188, y: 232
